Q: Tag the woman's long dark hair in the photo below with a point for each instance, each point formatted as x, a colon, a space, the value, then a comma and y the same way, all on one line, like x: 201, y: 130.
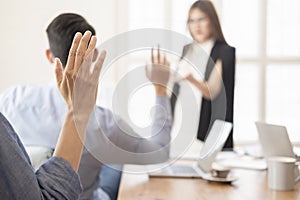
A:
x: 208, y: 8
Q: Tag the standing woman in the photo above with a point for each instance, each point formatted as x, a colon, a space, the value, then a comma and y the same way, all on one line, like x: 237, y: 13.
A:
x: 217, y: 87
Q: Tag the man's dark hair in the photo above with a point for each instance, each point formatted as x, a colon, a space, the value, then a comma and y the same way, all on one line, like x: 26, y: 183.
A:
x: 61, y: 31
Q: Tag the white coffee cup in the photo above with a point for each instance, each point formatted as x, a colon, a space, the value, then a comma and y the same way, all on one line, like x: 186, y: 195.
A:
x: 220, y: 171
x: 283, y: 173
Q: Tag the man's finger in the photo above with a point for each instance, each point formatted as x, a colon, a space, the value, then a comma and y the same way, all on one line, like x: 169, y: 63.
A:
x: 98, y: 65
x: 96, y: 92
x: 58, y: 71
x: 91, y: 45
x: 85, y: 68
x: 80, y: 52
x: 88, y: 57
x: 72, y: 52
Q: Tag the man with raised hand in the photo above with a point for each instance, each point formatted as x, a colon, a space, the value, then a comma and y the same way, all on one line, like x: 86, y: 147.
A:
x: 37, y: 114
x: 57, y: 178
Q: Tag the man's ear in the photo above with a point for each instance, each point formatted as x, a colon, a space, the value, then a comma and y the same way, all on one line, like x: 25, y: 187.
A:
x: 96, y: 52
x: 49, y: 56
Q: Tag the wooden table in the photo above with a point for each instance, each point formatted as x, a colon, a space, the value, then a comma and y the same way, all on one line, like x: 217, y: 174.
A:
x: 251, y: 185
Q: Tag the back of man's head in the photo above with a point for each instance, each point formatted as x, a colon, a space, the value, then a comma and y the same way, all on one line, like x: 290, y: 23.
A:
x: 61, y: 31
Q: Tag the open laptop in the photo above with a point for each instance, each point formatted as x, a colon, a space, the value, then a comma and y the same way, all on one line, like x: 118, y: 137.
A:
x: 211, y: 147
x: 274, y: 140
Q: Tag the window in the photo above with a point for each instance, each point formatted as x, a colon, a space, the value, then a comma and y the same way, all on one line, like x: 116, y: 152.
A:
x: 241, y: 27
x: 246, y: 102
x: 145, y: 14
x: 265, y: 34
x: 283, y: 28
x: 266, y: 37
x: 283, y: 97
x: 240, y: 23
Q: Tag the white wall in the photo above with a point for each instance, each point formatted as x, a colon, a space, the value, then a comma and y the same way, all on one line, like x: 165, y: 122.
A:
x: 23, y: 38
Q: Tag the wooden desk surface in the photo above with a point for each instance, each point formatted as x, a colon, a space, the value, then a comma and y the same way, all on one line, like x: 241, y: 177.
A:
x: 251, y: 185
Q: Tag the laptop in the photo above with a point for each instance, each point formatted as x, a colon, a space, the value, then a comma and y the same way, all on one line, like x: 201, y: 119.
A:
x: 211, y: 147
x: 274, y: 140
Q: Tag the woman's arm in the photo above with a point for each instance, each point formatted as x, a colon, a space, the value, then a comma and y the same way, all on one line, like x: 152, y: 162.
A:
x: 78, y: 86
x: 211, y: 88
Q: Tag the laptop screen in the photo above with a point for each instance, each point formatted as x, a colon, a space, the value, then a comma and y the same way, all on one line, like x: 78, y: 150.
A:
x: 274, y: 140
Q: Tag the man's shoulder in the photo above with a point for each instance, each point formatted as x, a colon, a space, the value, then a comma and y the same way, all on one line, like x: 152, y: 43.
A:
x: 10, y: 93
x: 25, y: 90
x: 27, y: 95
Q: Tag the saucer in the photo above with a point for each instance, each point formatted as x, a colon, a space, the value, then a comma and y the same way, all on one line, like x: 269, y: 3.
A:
x: 211, y: 178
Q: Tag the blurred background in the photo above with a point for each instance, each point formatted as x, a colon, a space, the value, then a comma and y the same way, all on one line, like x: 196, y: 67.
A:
x: 265, y: 34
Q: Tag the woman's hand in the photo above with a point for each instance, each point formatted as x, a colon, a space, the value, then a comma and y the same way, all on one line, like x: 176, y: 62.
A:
x: 190, y: 78
x: 77, y: 84
x: 211, y: 88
